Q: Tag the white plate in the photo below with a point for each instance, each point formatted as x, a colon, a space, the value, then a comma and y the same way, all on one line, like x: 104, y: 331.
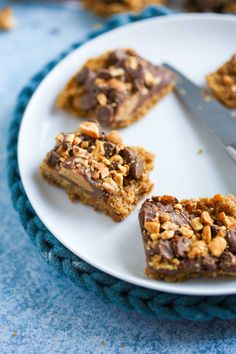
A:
x: 195, y: 44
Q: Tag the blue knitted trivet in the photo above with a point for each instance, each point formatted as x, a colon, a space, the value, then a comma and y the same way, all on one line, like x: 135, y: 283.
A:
x: 107, y: 288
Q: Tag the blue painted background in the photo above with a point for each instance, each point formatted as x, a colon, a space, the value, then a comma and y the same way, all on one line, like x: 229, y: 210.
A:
x: 40, y: 312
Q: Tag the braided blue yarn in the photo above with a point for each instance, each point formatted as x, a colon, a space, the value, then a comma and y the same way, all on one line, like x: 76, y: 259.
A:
x: 109, y: 289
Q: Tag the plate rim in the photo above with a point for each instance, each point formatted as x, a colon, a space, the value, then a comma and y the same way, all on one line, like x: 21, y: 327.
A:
x: 145, y: 283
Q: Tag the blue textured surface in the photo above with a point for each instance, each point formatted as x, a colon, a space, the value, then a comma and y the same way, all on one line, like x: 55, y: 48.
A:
x: 34, y: 301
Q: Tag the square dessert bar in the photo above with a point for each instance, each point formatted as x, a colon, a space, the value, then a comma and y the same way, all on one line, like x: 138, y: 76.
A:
x: 110, y: 7
x: 116, y: 89
x: 99, y: 170
x: 223, y: 83
x: 191, y: 238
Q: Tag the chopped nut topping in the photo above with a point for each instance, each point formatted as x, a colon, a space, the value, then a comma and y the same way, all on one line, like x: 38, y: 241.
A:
x: 152, y: 227
x: 102, y: 99
x: 178, y: 206
x: 154, y: 237
x: 228, y: 221
x: 221, y: 232
x: 133, y: 62
x: 206, y: 233
x: 77, y: 151
x: 60, y: 137
x: 149, y: 78
x: 206, y: 218
x: 165, y: 235
x: 104, y: 172
x: 110, y: 186
x: 165, y: 217
x: 218, y: 198
x: 117, y: 71
x: 78, y: 140
x: 124, y: 169
x: 81, y: 161
x: 118, y: 178
x: 228, y: 80
x: 117, y: 85
x: 90, y: 129
x: 186, y: 231
x: 198, y: 249
x: 69, y: 138
x: 196, y: 224
x: 217, y: 246
x: 114, y: 137
x: 168, y: 225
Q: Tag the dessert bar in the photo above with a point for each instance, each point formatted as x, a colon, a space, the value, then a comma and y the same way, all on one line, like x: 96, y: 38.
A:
x: 223, y: 83
x: 191, y: 238
x: 116, y: 89
x: 99, y: 170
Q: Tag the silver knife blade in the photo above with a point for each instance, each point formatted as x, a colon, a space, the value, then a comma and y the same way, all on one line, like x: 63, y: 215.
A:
x: 212, y: 114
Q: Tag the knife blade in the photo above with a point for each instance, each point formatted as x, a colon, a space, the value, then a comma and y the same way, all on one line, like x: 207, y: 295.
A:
x: 209, y: 112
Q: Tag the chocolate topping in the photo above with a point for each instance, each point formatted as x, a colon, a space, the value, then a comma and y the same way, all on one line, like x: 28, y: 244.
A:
x: 53, y: 159
x: 115, y: 96
x: 104, y: 74
x: 105, y: 114
x: 182, y: 246
x: 85, y: 75
x: 117, y: 56
x: 135, y: 163
x: 193, y: 237
x: 128, y: 154
x: 147, y: 212
x: 109, y: 148
x: 209, y: 263
x: 88, y: 101
x: 191, y: 265
x: 136, y: 168
x: 228, y: 262
x: 70, y: 162
x: 215, y: 229
x: 231, y: 239
x: 164, y: 249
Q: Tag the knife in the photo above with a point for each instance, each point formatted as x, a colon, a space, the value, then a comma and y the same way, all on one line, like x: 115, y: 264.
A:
x: 209, y: 112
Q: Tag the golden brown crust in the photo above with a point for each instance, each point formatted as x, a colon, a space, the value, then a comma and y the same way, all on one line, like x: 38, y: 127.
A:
x: 184, y: 276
